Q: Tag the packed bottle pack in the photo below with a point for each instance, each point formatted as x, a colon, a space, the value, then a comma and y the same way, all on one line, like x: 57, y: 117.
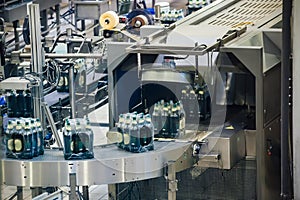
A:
x: 63, y: 83
x: 168, y: 119
x: 78, y: 139
x: 19, y: 103
x: 171, y: 16
x: 194, y: 5
x: 136, y: 132
x: 24, y: 138
x: 197, y: 4
x: 196, y: 103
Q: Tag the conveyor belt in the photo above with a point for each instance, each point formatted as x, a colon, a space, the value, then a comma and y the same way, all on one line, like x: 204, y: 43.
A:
x: 110, y: 165
x: 53, y: 98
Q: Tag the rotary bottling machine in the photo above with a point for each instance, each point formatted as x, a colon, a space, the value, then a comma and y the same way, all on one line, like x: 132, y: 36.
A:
x: 233, y: 48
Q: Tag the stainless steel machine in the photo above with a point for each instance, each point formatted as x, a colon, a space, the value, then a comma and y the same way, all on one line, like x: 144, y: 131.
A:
x: 242, y: 40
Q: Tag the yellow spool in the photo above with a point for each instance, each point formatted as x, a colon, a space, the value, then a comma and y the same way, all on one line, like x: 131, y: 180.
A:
x: 109, y: 20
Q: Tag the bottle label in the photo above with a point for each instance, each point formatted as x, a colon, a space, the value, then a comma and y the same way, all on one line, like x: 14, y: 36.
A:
x: 61, y: 81
x: 182, y: 123
x: 72, y: 146
x: 126, y: 138
x: 10, y: 144
x: 38, y: 141
x: 18, y: 145
x: 66, y: 81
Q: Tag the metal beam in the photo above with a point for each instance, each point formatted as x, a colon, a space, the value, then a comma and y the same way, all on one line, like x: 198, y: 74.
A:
x: 296, y: 97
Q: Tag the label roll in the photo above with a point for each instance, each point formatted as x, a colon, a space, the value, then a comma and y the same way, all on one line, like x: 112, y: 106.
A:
x: 109, y: 20
x: 139, y: 21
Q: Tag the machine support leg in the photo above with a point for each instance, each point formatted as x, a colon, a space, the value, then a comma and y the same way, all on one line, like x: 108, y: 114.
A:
x: 85, y: 191
x: 112, y: 191
x: 19, y: 193
x: 17, y: 40
x: 73, y: 195
x: 172, y: 180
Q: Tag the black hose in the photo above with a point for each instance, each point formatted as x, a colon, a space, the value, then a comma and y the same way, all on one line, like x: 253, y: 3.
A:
x: 285, y: 75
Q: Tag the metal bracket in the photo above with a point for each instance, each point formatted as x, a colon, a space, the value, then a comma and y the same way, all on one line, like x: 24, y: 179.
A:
x: 52, y: 124
x: 197, y: 147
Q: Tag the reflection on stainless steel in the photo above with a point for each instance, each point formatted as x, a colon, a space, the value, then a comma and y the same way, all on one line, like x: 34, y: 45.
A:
x: 111, y: 165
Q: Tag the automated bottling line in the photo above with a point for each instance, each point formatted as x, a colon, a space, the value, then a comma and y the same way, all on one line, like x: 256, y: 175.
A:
x: 228, y: 52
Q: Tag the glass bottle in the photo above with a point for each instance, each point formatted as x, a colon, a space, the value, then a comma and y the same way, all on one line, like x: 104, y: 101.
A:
x: 193, y: 107
x: 11, y: 103
x: 9, y: 140
x: 156, y: 119
x: 77, y: 144
x: 174, y: 122
x: 181, y: 118
x: 27, y: 153
x: 35, y: 148
x: 68, y: 132
x: 18, y: 140
x: 89, y: 143
x: 165, y: 121
x: 134, y: 136
x: 126, y: 137
x: 40, y: 137
x: 20, y: 103
x: 28, y: 104
x: 149, y: 134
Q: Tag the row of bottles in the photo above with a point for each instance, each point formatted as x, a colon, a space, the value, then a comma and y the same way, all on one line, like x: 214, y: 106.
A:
x: 19, y: 103
x: 24, y: 138
x: 78, y: 139
x: 194, y: 5
x: 136, y: 132
x: 196, y: 103
x: 198, y: 3
x: 79, y: 77
x: 171, y: 16
x: 168, y: 119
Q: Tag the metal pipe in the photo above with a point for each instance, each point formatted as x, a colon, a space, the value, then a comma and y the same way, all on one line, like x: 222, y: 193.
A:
x: 69, y: 55
x: 72, y: 91
x: 16, y: 34
x: 285, y: 74
x: 57, y: 15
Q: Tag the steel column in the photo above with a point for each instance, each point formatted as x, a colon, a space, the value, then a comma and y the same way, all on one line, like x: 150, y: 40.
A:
x: 36, y: 58
x: 285, y: 75
x: 296, y: 98
x: 72, y: 92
